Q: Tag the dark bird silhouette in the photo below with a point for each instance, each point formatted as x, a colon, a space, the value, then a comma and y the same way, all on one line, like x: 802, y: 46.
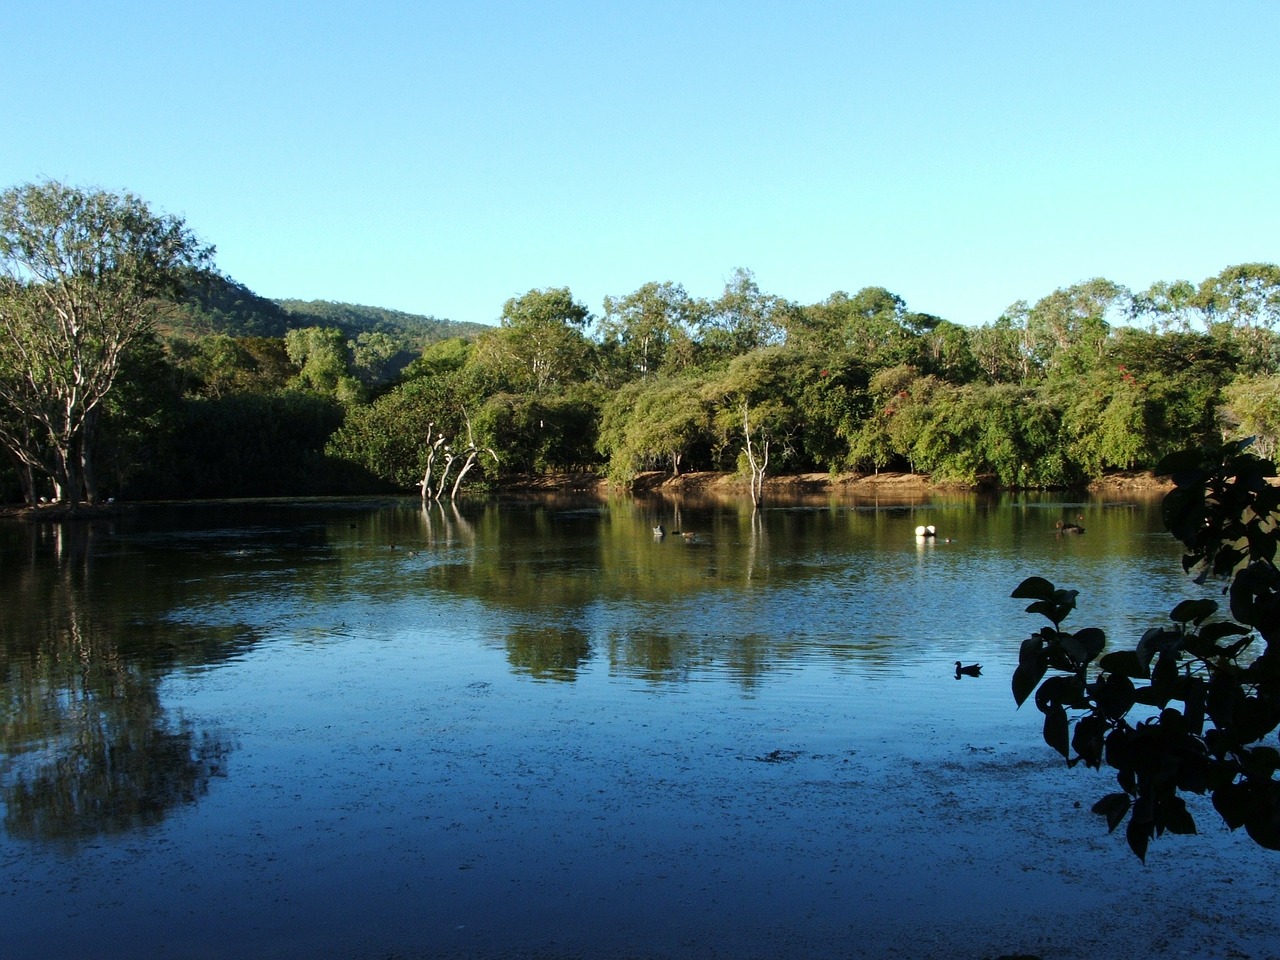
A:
x: 1068, y: 528
x: 972, y: 670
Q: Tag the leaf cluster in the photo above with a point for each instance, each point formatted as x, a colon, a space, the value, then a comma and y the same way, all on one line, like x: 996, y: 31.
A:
x: 1188, y: 710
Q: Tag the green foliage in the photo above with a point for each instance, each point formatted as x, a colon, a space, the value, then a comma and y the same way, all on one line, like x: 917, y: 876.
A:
x: 1067, y: 330
x: 1239, y: 306
x: 1188, y: 709
x: 323, y: 362
x: 828, y: 396
x: 773, y: 383
x: 407, y: 329
x: 442, y: 357
x: 136, y: 416
x: 380, y: 342
x: 216, y: 365
x: 211, y: 304
x: 1049, y: 394
x: 1001, y: 351
x: 533, y: 435
x: 247, y: 445
x: 1252, y: 406
x: 1172, y: 305
x: 743, y: 319
x: 977, y: 433
x: 652, y: 424
x: 946, y: 351
x: 1107, y: 422
x: 875, y: 326
x: 391, y: 438
x: 374, y: 356
x: 650, y: 330
x: 539, y: 347
x: 1244, y: 296
x: 81, y: 273
x: 546, y: 309
x: 1182, y: 377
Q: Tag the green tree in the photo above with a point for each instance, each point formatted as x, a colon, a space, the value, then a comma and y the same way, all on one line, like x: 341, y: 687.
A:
x: 874, y: 325
x: 138, y: 416
x: 248, y: 445
x: 651, y: 424
x: 743, y: 318
x: 373, y: 355
x: 541, y: 434
x: 753, y: 418
x: 651, y: 329
x: 1243, y: 303
x: 539, y: 346
x: 80, y: 275
x: 321, y: 357
x: 797, y: 399
x: 392, y: 437
x: 1107, y: 422
x: 1003, y: 350
x: 441, y: 357
x: 1182, y: 377
x: 1170, y: 305
x: 1067, y: 330
x: 218, y: 365
x: 945, y: 350
x: 1252, y: 409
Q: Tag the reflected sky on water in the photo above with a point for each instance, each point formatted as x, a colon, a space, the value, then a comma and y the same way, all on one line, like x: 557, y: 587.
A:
x: 369, y: 729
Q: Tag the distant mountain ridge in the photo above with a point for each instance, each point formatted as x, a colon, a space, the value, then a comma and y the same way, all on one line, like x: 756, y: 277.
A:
x: 355, y: 318
x: 215, y: 304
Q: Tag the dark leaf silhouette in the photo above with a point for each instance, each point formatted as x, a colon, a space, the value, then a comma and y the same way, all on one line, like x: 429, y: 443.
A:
x: 1181, y: 712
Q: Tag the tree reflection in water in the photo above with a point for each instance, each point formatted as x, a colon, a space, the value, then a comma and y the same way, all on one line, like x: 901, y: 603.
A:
x: 88, y: 748
x: 548, y: 653
x: 114, y: 763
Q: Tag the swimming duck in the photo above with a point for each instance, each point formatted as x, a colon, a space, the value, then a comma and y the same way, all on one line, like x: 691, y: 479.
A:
x: 928, y: 531
x: 1066, y: 527
x: 972, y: 670
x: 658, y: 531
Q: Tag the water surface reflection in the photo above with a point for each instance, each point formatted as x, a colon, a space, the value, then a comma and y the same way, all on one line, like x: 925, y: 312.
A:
x: 370, y: 729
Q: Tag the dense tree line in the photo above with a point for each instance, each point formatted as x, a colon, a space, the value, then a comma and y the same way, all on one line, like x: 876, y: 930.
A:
x: 218, y: 392
x: 1091, y: 378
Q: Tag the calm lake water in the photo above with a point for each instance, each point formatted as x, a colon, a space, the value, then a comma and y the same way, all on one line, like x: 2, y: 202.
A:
x: 373, y: 730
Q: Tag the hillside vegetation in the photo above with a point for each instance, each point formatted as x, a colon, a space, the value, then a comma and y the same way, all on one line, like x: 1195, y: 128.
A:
x: 211, y: 390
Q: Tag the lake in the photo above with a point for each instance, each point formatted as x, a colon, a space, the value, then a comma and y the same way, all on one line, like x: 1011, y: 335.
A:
x: 369, y: 729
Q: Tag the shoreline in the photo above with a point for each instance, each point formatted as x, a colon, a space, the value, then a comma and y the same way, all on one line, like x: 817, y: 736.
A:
x: 705, y: 483
x: 714, y: 482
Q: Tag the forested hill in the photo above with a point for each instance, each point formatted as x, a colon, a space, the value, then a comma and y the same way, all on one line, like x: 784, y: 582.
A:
x: 214, y: 304
x: 353, y: 319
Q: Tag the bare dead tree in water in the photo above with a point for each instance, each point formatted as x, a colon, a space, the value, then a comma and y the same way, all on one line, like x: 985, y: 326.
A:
x: 465, y: 459
x: 432, y: 449
x: 759, y: 463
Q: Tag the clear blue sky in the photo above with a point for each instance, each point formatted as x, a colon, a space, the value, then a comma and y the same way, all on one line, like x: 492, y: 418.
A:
x: 440, y: 157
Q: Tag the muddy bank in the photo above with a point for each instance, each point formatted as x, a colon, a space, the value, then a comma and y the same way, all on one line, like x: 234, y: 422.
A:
x: 705, y: 483
x: 1135, y: 483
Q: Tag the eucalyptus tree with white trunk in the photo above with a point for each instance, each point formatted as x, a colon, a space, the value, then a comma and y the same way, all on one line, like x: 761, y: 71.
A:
x: 81, y: 273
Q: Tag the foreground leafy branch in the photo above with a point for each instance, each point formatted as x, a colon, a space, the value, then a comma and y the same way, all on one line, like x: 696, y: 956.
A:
x: 1211, y: 696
